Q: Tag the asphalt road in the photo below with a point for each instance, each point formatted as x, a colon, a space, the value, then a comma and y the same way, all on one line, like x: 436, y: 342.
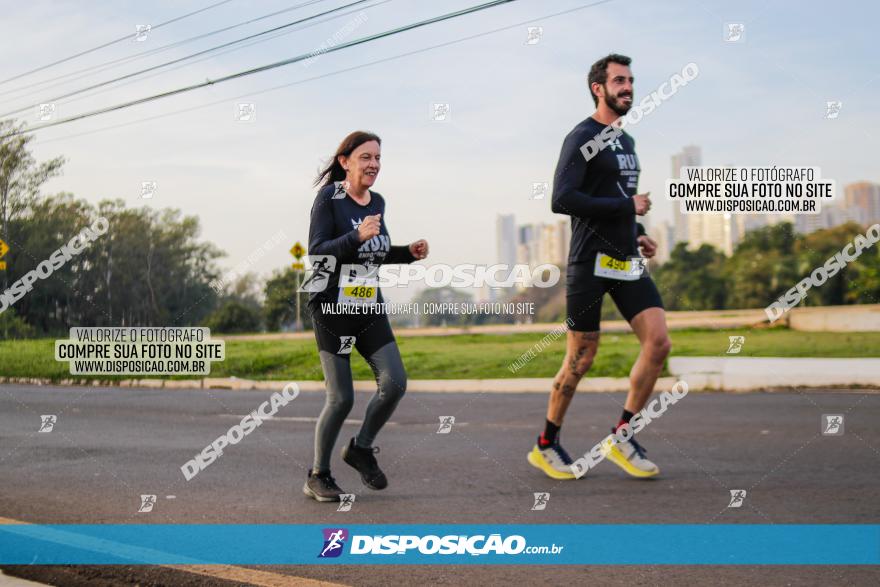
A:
x: 110, y: 445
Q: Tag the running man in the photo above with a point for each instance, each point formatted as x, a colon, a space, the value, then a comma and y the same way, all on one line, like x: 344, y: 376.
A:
x: 348, y: 225
x: 598, y: 189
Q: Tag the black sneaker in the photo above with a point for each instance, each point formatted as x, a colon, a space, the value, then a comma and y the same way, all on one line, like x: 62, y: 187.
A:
x: 322, y: 487
x: 363, y: 460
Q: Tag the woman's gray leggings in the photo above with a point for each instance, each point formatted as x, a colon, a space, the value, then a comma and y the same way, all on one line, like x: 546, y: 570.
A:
x: 391, y: 379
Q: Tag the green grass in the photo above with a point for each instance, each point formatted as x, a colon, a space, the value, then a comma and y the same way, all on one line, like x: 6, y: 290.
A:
x: 474, y: 356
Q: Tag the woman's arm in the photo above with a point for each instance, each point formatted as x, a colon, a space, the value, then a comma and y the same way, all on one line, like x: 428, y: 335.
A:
x: 322, y: 239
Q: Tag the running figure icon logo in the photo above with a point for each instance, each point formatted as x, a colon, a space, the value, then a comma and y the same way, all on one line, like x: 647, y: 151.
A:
x: 334, y: 542
x: 832, y: 109
x: 47, y: 423
x: 541, y: 500
x: 148, y: 189
x: 736, y: 344
x: 737, y: 497
x: 832, y: 424
x: 246, y: 112
x: 147, y: 503
x: 319, y: 275
x: 340, y: 193
x: 637, y: 265
x: 534, y: 35
x: 141, y: 31
x: 45, y: 111
x: 734, y: 32
x: 346, y: 500
x: 539, y: 189
x: 346, y: 343
x: 446, y: 423
x: 440, y: 111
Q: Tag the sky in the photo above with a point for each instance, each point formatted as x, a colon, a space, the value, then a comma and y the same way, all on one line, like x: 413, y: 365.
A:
x: 757, y: 102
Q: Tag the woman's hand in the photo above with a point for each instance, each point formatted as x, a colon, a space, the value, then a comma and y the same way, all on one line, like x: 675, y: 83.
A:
x: 370, y: 227
x: 419, y: 249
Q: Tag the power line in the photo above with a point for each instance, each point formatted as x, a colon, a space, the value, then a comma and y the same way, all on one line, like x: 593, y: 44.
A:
x: 224, y: 52
x: 325, y: 75
x: 229, y: 50
x: 263, y: 68
x: 180, y: 59
x: 109, y: 64
x: 119, y: 40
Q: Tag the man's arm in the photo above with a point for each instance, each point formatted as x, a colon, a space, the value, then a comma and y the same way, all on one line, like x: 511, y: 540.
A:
x: 567, y: 197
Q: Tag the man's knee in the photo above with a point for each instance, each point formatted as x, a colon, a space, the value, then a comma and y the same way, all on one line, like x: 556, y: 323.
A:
x: 580, y: 361
x: 659, y: 347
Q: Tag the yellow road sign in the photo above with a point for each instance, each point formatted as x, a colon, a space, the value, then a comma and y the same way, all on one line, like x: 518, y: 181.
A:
x: 4, y: 248
x: 2, y: 265
x: 297, y: 251
x: 299, y: 266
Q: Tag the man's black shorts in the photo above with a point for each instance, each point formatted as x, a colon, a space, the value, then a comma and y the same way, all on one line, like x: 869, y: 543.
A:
x: 585, y: 290
x: 340, y: 333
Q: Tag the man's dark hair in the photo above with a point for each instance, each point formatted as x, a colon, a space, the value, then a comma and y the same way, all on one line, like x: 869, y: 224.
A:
x: 599, y: 71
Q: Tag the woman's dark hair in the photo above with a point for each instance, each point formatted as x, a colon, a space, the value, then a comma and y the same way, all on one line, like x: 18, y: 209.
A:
x: 334, y: 171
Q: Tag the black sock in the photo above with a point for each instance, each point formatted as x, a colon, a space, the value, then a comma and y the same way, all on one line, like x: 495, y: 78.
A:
x: 624, y: 419
x: 549, y: 435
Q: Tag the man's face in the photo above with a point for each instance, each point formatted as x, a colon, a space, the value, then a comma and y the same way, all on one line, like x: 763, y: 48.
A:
x: 617, y: 91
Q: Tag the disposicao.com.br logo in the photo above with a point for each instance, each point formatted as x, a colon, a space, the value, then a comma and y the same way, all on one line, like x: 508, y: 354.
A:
x: 334, y: 540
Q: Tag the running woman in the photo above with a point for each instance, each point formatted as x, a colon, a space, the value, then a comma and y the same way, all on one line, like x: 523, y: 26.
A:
x: 598, y: 189
x: 348, y: 228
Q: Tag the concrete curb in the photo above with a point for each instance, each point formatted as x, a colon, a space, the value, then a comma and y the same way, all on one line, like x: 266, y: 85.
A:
x: 534, y: 385
x: 730, y: 374
x: 750, y: 373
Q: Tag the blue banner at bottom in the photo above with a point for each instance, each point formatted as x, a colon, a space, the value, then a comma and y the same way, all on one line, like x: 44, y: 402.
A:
x: 265, y: 544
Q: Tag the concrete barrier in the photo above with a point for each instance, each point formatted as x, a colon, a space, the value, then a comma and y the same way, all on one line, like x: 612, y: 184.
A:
x: 857, y: 318
x: 753, y: 373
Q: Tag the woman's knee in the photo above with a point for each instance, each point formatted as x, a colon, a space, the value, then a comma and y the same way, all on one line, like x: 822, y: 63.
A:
x: 340, y: 403
x: 392, y: 383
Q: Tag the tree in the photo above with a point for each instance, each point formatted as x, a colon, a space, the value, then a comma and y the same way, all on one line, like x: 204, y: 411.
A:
x: 279, y: 309
x: 234, y: 316
x: 816, y: 248
x: 693, y: 280
x: 763, y: 266
x: 20, y: 177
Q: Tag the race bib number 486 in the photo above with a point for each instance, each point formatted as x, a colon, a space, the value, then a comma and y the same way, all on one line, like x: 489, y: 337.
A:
x: 358, y: 294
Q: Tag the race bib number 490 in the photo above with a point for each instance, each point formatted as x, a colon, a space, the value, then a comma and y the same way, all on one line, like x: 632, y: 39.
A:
x: 607, y: 266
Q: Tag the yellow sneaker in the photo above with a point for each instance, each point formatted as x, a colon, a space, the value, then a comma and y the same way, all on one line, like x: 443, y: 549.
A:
x: 553, y: 460
x: 629, y: 456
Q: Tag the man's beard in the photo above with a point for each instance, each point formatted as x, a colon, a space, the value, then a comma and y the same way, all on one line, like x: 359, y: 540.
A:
x: 618, y: 107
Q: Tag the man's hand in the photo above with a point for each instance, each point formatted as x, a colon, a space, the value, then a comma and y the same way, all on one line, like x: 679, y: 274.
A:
x: 369, y: 227
x: 419, y: 249
x: 642, y: 203
x: 648, y: 246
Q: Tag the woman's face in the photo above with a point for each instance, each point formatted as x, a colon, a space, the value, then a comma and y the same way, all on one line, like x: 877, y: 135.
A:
x: 362, y: 166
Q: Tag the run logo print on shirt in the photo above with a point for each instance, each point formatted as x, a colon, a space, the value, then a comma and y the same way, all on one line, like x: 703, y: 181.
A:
x: 628, y: 165
x: 379, y: 243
